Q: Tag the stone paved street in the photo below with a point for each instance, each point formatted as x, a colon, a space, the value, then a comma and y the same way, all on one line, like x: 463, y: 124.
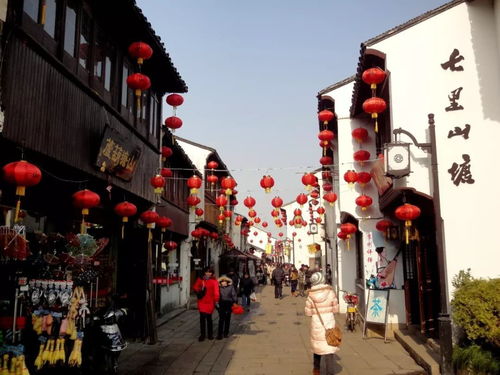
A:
x: 273, y: 338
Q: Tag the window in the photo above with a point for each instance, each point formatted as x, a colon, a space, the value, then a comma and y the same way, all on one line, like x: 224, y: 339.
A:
x: 153, y: 114
x: 49, y: 17
x: 31, y: 8
x: 127, y: 94
x: 99, y: 57
x: 107, y: 73
x: 84, y: 50
x: 70, y: 28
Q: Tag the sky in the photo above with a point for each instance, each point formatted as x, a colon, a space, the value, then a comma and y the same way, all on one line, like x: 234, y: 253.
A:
x: 254, y: 69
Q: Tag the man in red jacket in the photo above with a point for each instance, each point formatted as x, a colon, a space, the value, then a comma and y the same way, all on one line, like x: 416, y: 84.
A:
x: 207, y: 290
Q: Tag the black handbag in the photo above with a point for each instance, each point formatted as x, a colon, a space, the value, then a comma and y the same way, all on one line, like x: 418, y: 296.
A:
x: 201, y: 293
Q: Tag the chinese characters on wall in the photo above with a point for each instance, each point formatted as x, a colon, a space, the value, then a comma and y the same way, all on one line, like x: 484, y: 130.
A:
x: 460, y: 172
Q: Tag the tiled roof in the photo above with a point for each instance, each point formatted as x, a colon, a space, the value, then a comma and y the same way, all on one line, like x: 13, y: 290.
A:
x: 336, y: 85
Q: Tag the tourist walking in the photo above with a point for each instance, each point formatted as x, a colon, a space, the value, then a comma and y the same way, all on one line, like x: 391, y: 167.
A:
x: 234, y: 278
x: 278, y: 276
x: 228, y: 297
x: 308, y: 273
x: 294, y: 280
x: 301, y: 282
x: 321, y: 300
x: 247, y: 287
x: 207, y: 291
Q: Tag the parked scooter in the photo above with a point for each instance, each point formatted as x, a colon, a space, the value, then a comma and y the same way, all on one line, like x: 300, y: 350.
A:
x: 107, y: 341
x: 352, y: 310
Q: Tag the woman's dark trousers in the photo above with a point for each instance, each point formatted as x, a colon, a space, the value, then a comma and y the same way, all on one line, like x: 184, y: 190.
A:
x: 206, y: 322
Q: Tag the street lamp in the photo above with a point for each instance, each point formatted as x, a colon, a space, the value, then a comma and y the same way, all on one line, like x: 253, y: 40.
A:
x: 397, y: 159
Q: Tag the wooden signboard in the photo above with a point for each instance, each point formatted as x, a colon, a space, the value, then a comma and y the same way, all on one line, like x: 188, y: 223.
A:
x: 118, y: 155
x: 377, y: 309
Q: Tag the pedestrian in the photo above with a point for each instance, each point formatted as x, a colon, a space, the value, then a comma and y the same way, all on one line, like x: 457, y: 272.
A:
x: 308, y: 273
x: 278, y: 276
x: 328, y: 274
x: 271, y: 270
x: 321, y: 300
x: 207, y: 290
x: 234, y: 278
x: 301, y: 281
x: 246, y: 287
x: 294, y: 280
x: 228, y: 297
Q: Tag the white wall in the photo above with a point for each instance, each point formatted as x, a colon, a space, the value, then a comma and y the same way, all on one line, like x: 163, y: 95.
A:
x: 417, y: 90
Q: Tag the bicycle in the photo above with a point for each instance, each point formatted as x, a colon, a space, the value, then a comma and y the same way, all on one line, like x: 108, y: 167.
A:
x: 352, y: 309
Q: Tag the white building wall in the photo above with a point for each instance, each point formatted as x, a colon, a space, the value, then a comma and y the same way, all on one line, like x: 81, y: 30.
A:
x: 472, y: 29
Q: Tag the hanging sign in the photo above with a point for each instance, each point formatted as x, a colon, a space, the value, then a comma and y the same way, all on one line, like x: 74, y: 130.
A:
x: 118, y: 155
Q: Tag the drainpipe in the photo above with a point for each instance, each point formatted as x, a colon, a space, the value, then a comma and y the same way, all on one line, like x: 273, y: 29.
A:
x: 445, y: 332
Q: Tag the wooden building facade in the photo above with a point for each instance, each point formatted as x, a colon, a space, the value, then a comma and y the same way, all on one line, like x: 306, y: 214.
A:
x: 67, y: 109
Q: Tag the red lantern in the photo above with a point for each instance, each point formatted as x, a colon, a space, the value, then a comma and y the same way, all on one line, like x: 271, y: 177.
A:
x: 170, y: 245
x: 280, y: 234
x: 364, y: 178
x: 326, y: 160
x: 325, y: 116
x: 193, y: 201
x: 297, y: 212
x: 361, y: 156
x: 373, y: 77
x: 163, y: 222
x: 158, y: 182
x: 301, y: 199
x: 175, y: 100
x: 252, y: 213
x: 278, y: 222
x: 199, y: 212
x: 212, y: 165
x: 360, y: 134
x: 194, y: 183
x: 320, y: 210
x: 326, y: 136
x: 139, y: 83
x: 327, y: 186
x: 149, y: 218
x: 383, y: 226
x: 173, y: 122
x: 234, y: 202
x: 277, y: 202
x: 294, y: 234
x: 264, y: 224
x: 318, y: 220
x: 267, y: 182
x: 166, y: 152
x: 257, y: 220
x: 85, y: 199
x: 407, y: 212
x: 228, y: 184
x: 314, y: 194
x: 342, y: 235
x: 221, y: 218
x: 364, y: 201
x: 228, y: 214
x: 249, y: 202
x: 166, y: 172
x: 326, y: 175
x: 330, y: 197
x: 125, y: 210
x: 140, y: 51
x: 374, y: 106
x: 22, y: 174
x: 348, y: 229
x: 309, y: 180
x: 212, y: 179
x: 221, y: 201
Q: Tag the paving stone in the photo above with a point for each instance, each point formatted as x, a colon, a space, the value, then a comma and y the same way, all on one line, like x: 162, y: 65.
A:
x: 273, y: 338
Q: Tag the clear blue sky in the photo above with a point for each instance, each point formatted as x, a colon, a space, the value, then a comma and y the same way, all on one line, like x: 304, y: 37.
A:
x: 254, y: 68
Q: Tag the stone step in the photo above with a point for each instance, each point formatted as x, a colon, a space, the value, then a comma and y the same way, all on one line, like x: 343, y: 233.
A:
x: 419, y: 351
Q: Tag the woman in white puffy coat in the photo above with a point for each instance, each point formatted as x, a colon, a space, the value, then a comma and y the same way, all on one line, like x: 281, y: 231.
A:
x: 326, y: 301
